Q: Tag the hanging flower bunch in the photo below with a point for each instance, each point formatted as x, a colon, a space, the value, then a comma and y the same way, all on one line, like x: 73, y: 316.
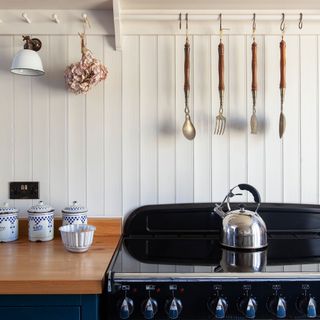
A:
x: 80, y: 77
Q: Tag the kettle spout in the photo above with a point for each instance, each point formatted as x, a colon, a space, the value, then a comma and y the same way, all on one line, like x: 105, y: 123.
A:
x: 217, y: 209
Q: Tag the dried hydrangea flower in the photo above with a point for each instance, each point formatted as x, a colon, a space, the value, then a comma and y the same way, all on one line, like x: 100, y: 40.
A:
x: 80, y: 77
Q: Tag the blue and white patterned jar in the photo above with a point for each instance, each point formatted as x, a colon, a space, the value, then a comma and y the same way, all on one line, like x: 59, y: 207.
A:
x: 41, y: 222
x: 9, y: 224
x: 74, y: 214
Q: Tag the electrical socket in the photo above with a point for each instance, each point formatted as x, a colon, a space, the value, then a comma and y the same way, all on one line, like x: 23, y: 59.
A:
x: 24, y: 190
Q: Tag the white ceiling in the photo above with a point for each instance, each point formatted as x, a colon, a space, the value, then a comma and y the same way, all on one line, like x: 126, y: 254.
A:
x: 162, y: 4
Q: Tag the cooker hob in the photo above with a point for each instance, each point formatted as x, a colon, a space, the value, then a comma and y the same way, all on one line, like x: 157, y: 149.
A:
x: 170, y: 264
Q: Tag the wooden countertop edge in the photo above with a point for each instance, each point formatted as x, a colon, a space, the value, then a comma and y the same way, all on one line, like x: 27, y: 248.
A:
x: 51, y: 287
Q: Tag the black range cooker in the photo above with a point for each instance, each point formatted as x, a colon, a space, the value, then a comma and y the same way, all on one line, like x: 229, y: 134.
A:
x: 169, y: 264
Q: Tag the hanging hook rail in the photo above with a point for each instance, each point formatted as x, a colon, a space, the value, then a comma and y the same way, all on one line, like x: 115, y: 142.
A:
x: 301, y: 21
x: 254, y: 27
x: 283, y: 24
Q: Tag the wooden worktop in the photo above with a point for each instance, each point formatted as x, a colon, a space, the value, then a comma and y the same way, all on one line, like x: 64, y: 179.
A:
x: 48, y: 268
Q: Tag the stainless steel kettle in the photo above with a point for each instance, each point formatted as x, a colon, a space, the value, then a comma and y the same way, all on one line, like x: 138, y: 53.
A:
x: 241, y: 228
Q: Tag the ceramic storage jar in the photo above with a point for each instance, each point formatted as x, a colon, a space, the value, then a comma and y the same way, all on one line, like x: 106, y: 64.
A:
x: 74, y: 214
x: 41, y: 222
x: 9, y: 226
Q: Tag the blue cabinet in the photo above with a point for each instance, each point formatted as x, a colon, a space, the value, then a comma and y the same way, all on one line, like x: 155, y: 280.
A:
x: 49, y: 307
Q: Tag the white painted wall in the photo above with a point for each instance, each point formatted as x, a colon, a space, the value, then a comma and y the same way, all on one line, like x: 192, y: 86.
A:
x: 121, y: 146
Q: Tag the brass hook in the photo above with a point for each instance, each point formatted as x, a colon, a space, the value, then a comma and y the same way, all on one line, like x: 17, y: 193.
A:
x: 180, y: 21
x: 220, y: 19
x: 187, y: 22
x: 300, y: 21
x: 283, y: 23
x: 254, y: 26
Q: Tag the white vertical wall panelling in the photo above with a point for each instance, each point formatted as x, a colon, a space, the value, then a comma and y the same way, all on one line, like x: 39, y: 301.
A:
x: 309, y: 126
x: 274, y: 159
x: 256, y: 142
x: 131, y: 129
x: 95, y: 137
x: 58, y: 125
x: 237, y: 120
x: 148, y: 118
x: 113, y: 129
x: 184, y: 148
x: 7, y: 116
x: 202, y: 118
x: 166, y: 120
x: 23, y: 128
x: 220, y: 143
x: 76, y: 133
x: 291, y: 139
x: 40, y: 125
x: 131, y: 123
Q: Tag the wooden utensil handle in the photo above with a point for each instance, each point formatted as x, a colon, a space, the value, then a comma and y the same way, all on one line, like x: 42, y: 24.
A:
x: 221, y: 66
x: 254, y: 85
x: 186, y: 66
x: 282, y: 64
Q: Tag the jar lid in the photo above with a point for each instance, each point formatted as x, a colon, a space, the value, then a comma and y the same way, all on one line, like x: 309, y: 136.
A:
x: 6, y: 209
x: 41, y: 207
x: 75, y: 208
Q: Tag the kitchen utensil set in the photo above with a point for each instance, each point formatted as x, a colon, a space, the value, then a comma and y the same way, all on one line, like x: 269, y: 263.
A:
x: 188, y: 128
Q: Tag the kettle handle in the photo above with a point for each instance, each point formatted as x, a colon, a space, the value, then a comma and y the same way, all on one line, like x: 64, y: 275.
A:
x: 252, y: 190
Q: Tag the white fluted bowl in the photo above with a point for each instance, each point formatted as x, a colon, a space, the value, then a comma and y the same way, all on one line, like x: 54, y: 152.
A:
x: 77, y: 237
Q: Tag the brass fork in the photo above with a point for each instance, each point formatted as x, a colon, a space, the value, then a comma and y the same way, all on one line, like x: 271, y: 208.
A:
x: 220, y: 119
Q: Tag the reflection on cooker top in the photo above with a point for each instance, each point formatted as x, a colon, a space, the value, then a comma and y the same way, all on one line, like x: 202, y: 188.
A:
x: 285, y: 253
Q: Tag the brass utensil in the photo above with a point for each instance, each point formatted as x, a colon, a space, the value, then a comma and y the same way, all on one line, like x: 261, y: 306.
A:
x: 282, y: 120
x: 220, y: 119
x: 254, y: 86
x: 188, y: 128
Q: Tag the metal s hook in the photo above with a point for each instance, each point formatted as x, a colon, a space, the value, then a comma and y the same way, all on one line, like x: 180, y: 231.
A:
x: 180, y: 18
x: 220, y: 23
x: 254, y: 26
x: 301, y: 21
x: 283, y: 23
x: 187, y: 22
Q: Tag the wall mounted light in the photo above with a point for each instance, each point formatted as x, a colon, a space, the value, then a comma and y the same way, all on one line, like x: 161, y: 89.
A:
x: 27, y: 61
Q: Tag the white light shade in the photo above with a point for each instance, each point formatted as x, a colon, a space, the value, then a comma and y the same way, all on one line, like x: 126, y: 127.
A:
x: 27, y: 63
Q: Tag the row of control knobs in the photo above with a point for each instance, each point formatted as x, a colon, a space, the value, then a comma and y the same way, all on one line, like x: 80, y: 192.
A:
x: 149, y: 308
x: 218, y: 307
x: 276, y: 305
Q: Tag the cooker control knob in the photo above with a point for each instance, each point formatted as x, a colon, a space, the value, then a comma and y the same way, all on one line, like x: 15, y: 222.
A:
x: 173, y: 308
x: 277, y: 306
x: 218, y: 307
x: 248, y: 307
x: 307, y: 305
x: 149, y: 308
x: 126, y: 308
